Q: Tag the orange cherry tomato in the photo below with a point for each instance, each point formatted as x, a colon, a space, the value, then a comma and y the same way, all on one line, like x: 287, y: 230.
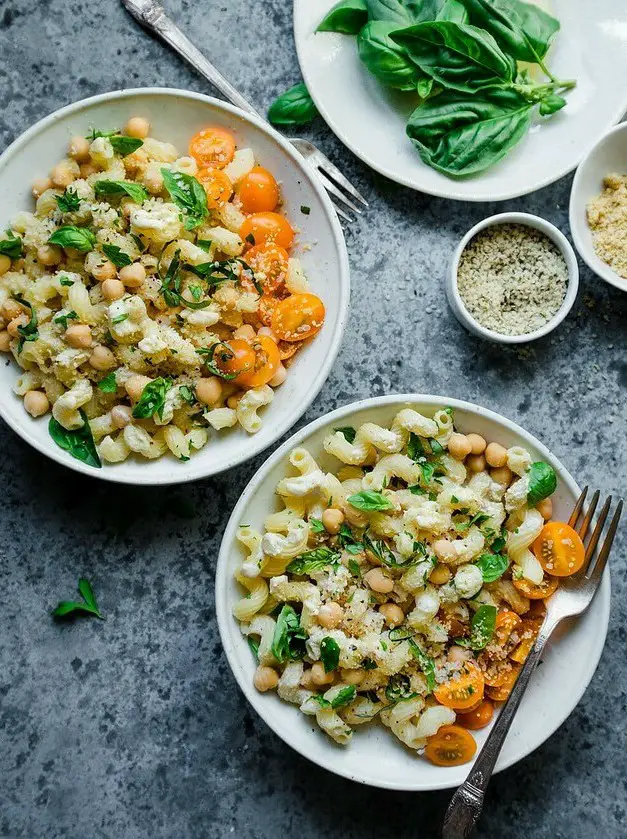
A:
x: 298, y: 317
x: 288, y: 350
x: 506, y: 623
x: 258, y: 192
x: 479, y: 717
x: 534, y: 592
x: 462, y: 691
x: 500, y: 693
x: 217, y: 185
x: 234, y: 358
x: 269, y: 263
x: 559, y: 549
x: 267, y: 362
x: 528, y: 635
x: 213, y: 147
x: 267, y: 227
x: 451, y: 746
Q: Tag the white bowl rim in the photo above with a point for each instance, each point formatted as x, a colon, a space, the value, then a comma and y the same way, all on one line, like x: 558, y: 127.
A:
x: 566, y: 249
x: 600, y: 268
x: 223, y: 573
x: 281, y: 426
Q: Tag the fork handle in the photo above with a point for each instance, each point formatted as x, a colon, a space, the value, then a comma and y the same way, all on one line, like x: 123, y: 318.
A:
x: 467, y: 803
x: 156, y: 20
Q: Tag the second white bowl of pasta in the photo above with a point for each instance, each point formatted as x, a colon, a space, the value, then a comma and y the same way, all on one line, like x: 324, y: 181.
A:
x: 377, y: 575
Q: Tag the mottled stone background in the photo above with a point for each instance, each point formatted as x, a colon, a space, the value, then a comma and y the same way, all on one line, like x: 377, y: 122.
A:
x: 134, y: 728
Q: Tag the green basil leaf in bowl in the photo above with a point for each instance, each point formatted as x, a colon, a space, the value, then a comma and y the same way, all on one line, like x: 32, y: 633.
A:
x: 188, y: 194
x: 542, y: 482
x: 12, y: 246
x: 70, y: 236
x: 347, y: 16
x: 292, y: 108
x: 482, y: 629
x: 79, y: 442
x: 137, y: 192
x: 492, y: 566
x: 384, y: 58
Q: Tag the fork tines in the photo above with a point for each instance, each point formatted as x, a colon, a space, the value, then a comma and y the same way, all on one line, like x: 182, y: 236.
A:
x: 591, y: 568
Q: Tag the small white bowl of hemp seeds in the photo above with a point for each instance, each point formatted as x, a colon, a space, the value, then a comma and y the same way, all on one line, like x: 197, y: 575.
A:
x: 513, y: 278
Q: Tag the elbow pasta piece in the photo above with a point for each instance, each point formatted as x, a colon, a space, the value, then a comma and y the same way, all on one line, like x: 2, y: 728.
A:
x: 287, y: 547
x: 518, y: 460
x: 114, y: 450
x: 263, y: 626
x: 248, y: 406
x: 519, y: 541
x: 176, y: 442
x: 392, y: 466
x: 220, y: 418
x: 139, y: 440
x: 66, y: 410
x: 246, y: 608
x: 289, y: 688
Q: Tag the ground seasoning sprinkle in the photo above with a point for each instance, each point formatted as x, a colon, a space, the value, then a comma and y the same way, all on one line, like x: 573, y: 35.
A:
x: 607, y: 217
x: 512, y: 279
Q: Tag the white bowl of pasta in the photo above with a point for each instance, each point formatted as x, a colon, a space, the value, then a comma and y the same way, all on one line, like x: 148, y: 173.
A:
x: 376, y: 574
x: 170, y: 267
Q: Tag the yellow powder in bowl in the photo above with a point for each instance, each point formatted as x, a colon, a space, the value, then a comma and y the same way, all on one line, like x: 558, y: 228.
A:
x: 607, y: 217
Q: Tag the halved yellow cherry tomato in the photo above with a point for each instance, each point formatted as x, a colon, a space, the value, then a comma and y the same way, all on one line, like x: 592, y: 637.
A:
x: 270, y: 261
x: 500, y: 692
x: 451, y: 746
x: 267, y: 362
x: 258, y: 191
x: 528, y: 635
x: 217, y: 185
x: 464, y: 690
x: 234, y: 357
x: 267, y: 227
x: 506, y: 623
x: 537, y: 592
x: 213, y: 146
x: 559, y: 549
x: 298, y: 317
x: 479, y: 717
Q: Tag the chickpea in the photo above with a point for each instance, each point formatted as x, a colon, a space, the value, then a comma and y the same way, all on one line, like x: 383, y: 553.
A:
x: 444, y: 550
x: 209, y: 391
x: 378, y: 582
x: 332, y: 519
x: 121, y: 416
x: 441, y: 574
x: 279, y: 377
x: 78, y: 336
x: 265, y: 330
x: 137, y: 127
x: 36, y: 403
x: 503, y: 475
x: 245, y: 332
x: 87, y: 169
x: 79, y: 149
x: 135, y: 386
x: 49, y: 255
x: 153, y: 181
x: 104, y: 271
x: 5, y: 341
x: 20, y: 320
x: 330, y: 615
x: 477, y: 443
x: 40, y: 185
x: 496, y: 455
x: 63, y: 174
x: 113, y: 290
x: 475, y: 462
x: 456, y: 653
x: 306, y: 680
x: 459, y: 446
x: 132, y: 275
x: 393, y: 614
x: 353, y: 677
x: 233, y: 401
x: 545, y: 508
x: 319, y: 676
x: 102, y: 359
x: 12, y: 309
x: 5, y: 263
x: 265, y: 678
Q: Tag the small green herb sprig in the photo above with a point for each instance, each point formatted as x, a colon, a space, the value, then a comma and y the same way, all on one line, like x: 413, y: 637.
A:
x: 87, y: 606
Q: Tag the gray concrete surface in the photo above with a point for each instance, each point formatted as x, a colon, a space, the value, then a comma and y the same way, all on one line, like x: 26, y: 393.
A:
x: 134, y: 728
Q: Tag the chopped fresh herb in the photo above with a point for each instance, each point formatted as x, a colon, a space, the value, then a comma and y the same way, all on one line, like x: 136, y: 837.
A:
x: 108, y: 384
x: 152, y: 400
x: 415, y: 449
x: 63, y: 319
x: 492, y: 566
x: 329, y: 653
x: 69, y: 202
x: 348, y: 541
x: 316, y: 526
x: 250, y: 239
x: 188, y: 194
x: 29, y: 332
x: 254, y: 646
x: 12, y: 246
x: 313, y: 560
x: 499, y: 543
x: 117, y: 256
x: 288, y: 642
x: 135, y: 191
x: 342, y: 697
x: 353, y: 567
x: 368, y: 664
x: 187, y: 393
x: 195, y: 291
x: 386, y: 556
x: 481, y: 628
x: 436, y: 448
x: 398, y: 688
x: 205, y: 244
x: 369, y: 500
x: 305, y: 210
x: 87, y: 606
x: 66, y: 281
x: 425, y: 662
x: 79, y: 442
x: 120, y: 318
x: 225, y: 354
x: 348, y: 432
x: 121, y: 144
x: 70, y: 236
x: 417, y: 490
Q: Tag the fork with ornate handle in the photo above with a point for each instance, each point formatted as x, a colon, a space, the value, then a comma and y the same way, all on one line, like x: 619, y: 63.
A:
x: 152, y: 16
x: 572, y: 598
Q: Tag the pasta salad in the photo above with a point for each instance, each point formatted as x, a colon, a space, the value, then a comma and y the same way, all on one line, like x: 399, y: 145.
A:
x: 405, y: 585
x: 150, y: 297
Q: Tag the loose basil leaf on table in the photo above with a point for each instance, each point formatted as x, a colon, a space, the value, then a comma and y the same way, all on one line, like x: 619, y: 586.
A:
x: 542, y: 482
x: 292, y: 108
x: 79, y: 442
x: 385, y: 59
x: 523, y: 29
x: 460, y: 135
x: 481, y: 629
x: 457, y: 55
x: 347, y: 16
x: 492, y: 566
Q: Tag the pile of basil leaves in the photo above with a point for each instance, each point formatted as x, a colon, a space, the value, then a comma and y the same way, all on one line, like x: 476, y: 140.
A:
x: 461, y: 58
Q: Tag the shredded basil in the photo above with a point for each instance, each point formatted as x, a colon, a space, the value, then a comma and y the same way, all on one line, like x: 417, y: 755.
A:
x: 79, y: 442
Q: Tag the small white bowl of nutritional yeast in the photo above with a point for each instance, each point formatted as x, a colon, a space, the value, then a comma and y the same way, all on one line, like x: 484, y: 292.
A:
x: 554, y: 265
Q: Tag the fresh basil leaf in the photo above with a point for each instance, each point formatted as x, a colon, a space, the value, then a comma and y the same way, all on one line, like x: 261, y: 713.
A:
x: 424, y: 86
x: 499, y: 543
x: 458, y: 56
x: 135, y: 191
x: 460, y: 135
x: 542, y: 482
x: 348, y: 433
x: 384, y: 58
x: 187, y: 393
x: 108, y: 384
x: 125, y: 145
x: 329, y: 653
x: 79, y: 442
x: 254, y: 646
x: 437, y: 449
x: 70, y: 608
x: 347, y: 16
x: 370, y: 500
x: 415, y: 449
x: 417, y: 490
x: 354, y: 568
x: 452, y: 10
x: 292, y: 108
x: 481, y: 629
x: 385, y: 555
x: 313, y: 560
x: 523, y: 29
x: 171, y: 283
x: 63, y: 319
x: 12, y: 246
x: 425, y: 662
x: 188, y: 194
x: 428, y: 471
x: 87, y: 593
x: 492, y: 566
x: 399, y: 12
x: 30, y: 332
x: 288, y: 641
x: 70, y: 236
x: 152, y: 400
x: 117, y: 256
x: 344, y: 696
x: 316, y: 526
x: 551, y: 103
x: 69, y: 202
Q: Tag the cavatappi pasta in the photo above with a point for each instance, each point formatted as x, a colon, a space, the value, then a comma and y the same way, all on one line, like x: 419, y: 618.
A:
x: 405, y: 585
x: 150, y: 297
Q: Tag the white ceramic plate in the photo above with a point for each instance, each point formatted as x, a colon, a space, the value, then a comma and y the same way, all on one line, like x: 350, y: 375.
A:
x: 370, y: 119
x: 175, y: 116
x: 374, y: 756
x: 609, y: 156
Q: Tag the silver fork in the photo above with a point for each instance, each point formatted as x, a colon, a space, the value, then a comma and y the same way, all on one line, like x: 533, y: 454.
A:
x: 572, y: 598
x: 152, y: 16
